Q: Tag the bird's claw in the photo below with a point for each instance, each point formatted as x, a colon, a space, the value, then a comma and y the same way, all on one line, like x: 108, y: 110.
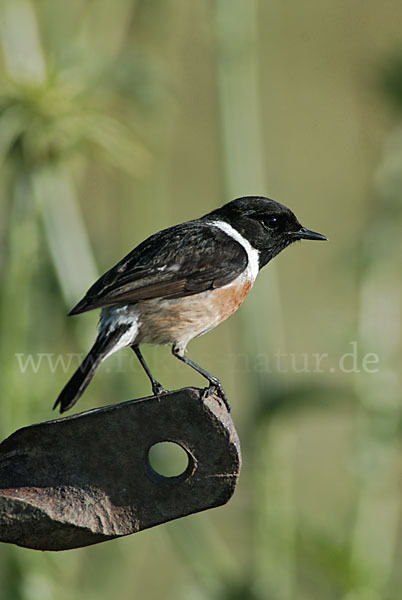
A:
x: 158, y: 389
x: 216, y: 388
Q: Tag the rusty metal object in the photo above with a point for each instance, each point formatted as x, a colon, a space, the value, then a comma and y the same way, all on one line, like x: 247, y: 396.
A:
x: 86, y: 478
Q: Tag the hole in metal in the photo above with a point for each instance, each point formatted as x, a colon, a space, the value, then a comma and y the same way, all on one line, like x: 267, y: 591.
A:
x: 168, y: 460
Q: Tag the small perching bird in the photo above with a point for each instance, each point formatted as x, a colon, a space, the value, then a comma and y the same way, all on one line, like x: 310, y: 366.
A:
x: 182, y: 282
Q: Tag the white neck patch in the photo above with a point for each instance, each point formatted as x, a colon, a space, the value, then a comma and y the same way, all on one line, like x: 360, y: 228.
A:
x: 252, y: 253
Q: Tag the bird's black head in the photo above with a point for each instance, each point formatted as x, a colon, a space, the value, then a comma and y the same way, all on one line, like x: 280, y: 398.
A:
x: 267, y: 225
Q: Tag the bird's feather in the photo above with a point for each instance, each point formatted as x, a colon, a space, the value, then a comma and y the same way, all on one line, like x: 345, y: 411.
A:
x: 180, y: 261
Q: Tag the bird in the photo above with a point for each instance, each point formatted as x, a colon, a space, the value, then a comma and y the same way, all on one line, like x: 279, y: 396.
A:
x: 182, y: 282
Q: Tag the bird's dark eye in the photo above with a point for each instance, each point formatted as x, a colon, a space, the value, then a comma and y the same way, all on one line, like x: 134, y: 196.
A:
x: 271, y: 223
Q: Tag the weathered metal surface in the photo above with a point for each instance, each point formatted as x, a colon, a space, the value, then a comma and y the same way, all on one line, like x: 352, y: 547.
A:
x: 86, y: 478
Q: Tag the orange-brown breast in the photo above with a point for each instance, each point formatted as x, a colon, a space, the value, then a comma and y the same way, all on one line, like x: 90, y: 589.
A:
x: 229, y: 298
x: 182, y: 319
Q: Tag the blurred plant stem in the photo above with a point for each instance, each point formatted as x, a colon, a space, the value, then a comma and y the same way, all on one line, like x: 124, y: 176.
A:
x: 23, y: 54
x: 243, y: 150
x: 212, y: 561
x: 16, y: 296
x: 238, y: 73
x: 378, y: 462
x: 21, y: 298
x: 275, y: 515
x: 65, y: 231
x: 56, y: 210
x: 48, y: 116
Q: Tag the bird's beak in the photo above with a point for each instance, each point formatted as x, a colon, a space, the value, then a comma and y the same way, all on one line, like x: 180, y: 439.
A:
x: 307, y: 234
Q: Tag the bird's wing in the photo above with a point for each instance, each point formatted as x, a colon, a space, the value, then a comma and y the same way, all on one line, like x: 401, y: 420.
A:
x: 180, y: 261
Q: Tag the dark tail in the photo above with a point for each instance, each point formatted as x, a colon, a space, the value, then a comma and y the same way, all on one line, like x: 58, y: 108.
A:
x: 78, y: 383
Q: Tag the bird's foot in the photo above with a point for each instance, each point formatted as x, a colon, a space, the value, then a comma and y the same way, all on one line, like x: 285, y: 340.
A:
x: 158, y: 389
x: 216, y: 388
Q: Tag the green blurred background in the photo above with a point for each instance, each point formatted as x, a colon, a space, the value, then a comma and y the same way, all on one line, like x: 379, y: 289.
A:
x: 120, y: 118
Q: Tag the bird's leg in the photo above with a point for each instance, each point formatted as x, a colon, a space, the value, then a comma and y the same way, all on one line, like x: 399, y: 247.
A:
x: 157, y: 388
x: 214, y: 383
